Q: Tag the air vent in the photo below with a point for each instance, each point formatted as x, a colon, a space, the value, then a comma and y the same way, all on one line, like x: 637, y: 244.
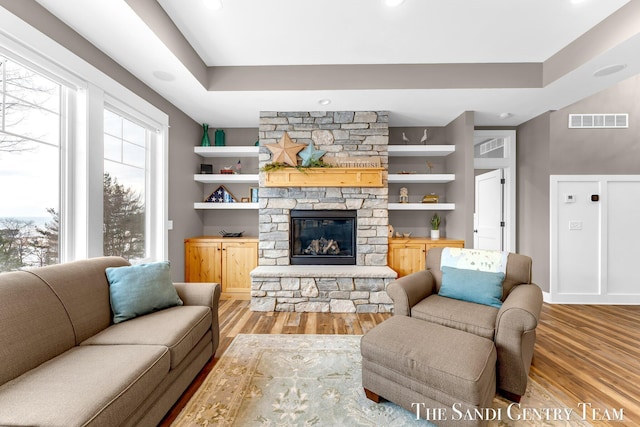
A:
x: 489, y: 146
x: 598, y: 121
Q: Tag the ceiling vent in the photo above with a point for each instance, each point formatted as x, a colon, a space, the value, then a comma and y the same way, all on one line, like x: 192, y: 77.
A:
x: 598, y: 121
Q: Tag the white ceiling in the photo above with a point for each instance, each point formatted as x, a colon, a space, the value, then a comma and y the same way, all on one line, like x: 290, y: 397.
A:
x: 253, y: 33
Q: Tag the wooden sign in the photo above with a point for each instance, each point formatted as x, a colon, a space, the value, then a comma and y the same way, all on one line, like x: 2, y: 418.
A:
x: 354, y: 162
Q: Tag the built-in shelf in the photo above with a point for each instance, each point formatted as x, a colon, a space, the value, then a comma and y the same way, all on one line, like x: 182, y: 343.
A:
x: 231, y: 206
x: 421, y: 206
x: 426, y: 178
x: 239, y: 178
x: 421, y: 150
x: 227, y: 151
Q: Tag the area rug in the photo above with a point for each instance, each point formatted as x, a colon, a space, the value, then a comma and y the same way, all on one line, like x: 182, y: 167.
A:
x: 315, y: 380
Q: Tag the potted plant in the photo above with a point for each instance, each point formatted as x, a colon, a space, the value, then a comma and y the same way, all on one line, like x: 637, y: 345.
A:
x: 435, y: 226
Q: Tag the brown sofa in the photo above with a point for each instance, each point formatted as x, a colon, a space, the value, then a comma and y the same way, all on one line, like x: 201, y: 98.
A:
x: 64, y: 362
x: 512, y: 327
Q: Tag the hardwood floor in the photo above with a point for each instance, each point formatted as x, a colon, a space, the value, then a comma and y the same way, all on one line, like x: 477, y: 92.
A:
x: 584, y: 353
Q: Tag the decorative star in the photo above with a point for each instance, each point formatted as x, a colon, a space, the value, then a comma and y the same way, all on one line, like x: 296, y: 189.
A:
x: 310, y: 154
x: 285, y: 150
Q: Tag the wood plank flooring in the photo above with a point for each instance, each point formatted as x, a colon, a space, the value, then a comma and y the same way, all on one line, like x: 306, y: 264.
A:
x: 583, y: 354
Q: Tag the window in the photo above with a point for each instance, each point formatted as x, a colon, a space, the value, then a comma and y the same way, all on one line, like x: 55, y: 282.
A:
x: 73, y: 141
x: 124, y: 187
x: 30, y: 142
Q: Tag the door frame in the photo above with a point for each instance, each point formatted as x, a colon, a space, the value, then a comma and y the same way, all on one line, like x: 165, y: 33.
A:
x: 508, y: 164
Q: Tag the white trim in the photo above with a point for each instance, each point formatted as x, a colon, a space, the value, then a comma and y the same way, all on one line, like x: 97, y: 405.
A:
x: 82, y: 159
x: 602, y: 294
x: 508, y: 164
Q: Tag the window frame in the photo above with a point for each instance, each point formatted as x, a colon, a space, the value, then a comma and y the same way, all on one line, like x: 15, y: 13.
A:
x: 87, y: 91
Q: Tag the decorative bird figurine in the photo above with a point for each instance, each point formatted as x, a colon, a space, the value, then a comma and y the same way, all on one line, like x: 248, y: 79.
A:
x: 404, y: 138
x: 424, y: 138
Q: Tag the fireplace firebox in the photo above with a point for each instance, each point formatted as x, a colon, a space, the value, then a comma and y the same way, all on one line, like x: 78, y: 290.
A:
x: 325, y: 237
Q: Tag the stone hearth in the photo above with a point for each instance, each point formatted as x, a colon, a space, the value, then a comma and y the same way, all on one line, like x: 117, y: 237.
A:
x: 278, y: 286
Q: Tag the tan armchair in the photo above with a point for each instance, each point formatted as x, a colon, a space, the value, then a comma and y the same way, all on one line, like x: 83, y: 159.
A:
x: 512, y: 327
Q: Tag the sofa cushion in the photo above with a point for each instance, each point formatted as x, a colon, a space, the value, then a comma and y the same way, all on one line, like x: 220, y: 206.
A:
x: 140, y: 289
x: 178, y: 328
x: 466, y: 316
x: 83, y: 289
x: 480, y: 287
x: 87, y: 385
x: 34, y: 326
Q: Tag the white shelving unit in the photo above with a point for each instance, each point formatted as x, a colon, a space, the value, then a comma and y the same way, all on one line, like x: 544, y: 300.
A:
x: 420, y: 150
x: 415, y: 178
x: 227, y: 151
x: 421, y: 206
x: 227, y: 206
x: 421, y: 178
x: 238, y: 178
x: 220, y: 152
x: 394, y: 151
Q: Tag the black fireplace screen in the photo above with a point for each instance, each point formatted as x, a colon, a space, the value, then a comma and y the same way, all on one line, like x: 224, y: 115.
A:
x: 323, y: 237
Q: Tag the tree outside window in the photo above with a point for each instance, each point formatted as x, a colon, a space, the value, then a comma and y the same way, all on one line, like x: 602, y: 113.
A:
x: 30, y: 151
x: 125, y: 163
x: 30, y: 106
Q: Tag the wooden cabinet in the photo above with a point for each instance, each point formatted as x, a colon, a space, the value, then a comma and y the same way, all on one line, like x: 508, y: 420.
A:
x: 227, y: 261
x: 408, y: 255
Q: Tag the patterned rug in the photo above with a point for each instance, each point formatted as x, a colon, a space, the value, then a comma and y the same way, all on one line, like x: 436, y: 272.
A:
x: 315, y: 380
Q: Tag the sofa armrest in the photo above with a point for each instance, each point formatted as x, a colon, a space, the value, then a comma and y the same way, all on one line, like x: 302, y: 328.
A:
x: 521, y: 309
x: 515, y: 336
x: 407, y: 291
x: 206, y: 294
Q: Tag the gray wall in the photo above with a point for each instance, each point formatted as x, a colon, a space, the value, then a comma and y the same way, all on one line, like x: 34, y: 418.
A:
x: 599, y: 151
x: 183, y: 135
x: 532, y: 195
x: 546, y: 146
x: 459, y: 222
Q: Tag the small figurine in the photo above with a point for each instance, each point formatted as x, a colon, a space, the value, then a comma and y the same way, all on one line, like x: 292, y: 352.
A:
x: 429, y: 166
x: 404, y: 195
x: 424, y: 138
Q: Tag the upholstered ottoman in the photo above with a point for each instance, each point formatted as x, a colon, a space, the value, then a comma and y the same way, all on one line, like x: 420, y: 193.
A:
x: 445, y: 373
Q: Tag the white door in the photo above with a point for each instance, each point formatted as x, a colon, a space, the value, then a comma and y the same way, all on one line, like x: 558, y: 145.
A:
x: 489, y: 206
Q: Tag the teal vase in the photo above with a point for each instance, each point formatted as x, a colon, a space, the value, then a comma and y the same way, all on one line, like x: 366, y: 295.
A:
x: 205, y: 136
x: 219, y: 138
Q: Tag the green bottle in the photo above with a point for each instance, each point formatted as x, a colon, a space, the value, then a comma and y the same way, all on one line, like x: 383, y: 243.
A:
x: 205, y: 136
x: 219, y: 138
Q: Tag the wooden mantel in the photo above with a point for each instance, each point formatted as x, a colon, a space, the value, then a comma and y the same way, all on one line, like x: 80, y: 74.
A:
x: 325, y: 177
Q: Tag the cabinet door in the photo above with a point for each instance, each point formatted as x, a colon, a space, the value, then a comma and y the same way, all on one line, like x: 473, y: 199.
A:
x: 202, y: 262
x: 238, y: 259
x: 407, y: 258
x: 445, y: 244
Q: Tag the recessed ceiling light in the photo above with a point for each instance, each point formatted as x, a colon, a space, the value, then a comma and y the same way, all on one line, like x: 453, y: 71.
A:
x: 324, y: 101
x: 393, y: 3
x: 609, y: 69
x: 212, y: 4
x: 505, y: 115
x: 164, y: 76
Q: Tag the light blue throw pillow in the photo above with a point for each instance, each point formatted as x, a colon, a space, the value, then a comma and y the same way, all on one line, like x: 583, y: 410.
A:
x: 140, y: 289
x: 481, y: 287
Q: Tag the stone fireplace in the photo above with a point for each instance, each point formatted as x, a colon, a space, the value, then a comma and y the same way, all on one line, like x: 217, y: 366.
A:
x: 322, y: 237
x: 280, y: 284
